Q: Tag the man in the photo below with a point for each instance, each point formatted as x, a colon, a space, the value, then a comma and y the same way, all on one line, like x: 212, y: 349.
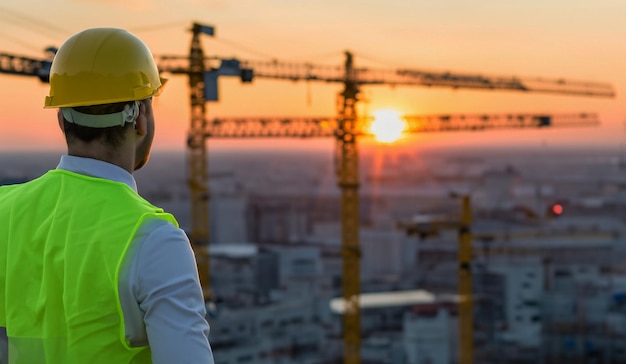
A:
x: 90, y: 272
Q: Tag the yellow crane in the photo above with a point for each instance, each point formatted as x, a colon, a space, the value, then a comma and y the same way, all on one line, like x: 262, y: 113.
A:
x: 425, y: 226
x: 194, y: 67
x: 432, y: 225
x: 346, y: 131
x: 203, y: 74
x: 303, y: 127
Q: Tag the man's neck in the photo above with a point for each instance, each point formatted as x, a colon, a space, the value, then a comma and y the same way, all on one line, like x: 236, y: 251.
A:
x: 118, y: 157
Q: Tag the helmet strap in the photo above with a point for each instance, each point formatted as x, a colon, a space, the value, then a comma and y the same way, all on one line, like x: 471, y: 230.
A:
x: 128, y: 115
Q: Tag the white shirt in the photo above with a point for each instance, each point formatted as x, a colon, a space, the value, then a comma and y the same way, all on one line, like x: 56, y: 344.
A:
x: 159, y: 288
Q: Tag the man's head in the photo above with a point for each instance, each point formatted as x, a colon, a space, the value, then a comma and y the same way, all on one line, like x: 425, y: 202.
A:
x: 103, y: 81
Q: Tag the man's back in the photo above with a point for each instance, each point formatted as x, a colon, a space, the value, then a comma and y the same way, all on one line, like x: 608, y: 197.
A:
x: 66, y: 240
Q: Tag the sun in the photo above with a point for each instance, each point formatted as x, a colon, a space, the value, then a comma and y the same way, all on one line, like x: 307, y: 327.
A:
x: 387, y: 126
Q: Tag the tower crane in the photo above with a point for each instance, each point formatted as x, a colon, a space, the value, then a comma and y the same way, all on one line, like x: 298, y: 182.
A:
x: 313, y: 127
x: 425, y: 226
x: 203, y: 73
x: 27, y: 66
x: 346, y: 127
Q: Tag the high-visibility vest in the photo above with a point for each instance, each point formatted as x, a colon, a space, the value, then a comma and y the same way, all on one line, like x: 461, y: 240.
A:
x: 63, y: 238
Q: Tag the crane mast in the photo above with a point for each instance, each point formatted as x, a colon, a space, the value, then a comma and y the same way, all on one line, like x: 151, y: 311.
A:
x: 198, y: 175
x: 348, y: 181
x: 464, y: 271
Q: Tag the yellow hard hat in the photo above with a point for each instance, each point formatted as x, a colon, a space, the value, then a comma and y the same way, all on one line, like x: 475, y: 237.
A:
x: 101, y: 66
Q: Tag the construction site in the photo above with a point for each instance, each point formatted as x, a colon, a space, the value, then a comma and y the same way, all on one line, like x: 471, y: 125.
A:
x: 375, y: 257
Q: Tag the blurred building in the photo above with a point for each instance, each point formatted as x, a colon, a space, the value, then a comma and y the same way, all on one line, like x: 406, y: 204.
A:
x: 261, y: 315
x: 290, y: 331
x: 430, y: 335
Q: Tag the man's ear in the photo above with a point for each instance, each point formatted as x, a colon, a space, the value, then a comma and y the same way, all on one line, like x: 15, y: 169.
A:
x: 141, y: 123
x: 60, y: 120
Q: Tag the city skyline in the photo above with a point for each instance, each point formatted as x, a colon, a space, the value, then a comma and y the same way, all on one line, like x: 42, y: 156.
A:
x: 276, y: 258
x: 491, y: 38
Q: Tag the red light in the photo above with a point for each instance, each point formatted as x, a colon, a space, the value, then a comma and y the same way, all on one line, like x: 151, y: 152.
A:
x: 557, y: 209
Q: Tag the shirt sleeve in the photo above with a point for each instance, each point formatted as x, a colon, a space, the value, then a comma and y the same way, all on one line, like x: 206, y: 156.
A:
x: 169, y: 295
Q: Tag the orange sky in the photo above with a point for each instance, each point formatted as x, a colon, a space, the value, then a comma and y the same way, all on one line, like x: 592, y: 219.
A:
x: 575, y: 39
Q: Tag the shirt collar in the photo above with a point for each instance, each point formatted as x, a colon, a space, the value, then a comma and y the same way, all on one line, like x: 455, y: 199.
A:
x: 97, y: 168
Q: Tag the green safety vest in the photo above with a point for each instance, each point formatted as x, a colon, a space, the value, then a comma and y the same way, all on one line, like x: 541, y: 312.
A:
x: 63, y: 238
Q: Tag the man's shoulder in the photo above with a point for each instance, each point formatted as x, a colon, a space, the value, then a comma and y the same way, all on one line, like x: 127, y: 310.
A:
x: 11, y: 189
x: 154, y: 228
x: 8, y: 191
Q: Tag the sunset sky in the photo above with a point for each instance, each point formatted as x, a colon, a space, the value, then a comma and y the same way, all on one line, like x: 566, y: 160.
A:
x: 570, y: 39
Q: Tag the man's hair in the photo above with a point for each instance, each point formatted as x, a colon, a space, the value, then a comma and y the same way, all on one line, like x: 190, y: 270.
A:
x: 113, y: 136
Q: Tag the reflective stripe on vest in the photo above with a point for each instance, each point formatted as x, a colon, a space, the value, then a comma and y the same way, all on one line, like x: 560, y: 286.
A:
x: 63, y: 238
